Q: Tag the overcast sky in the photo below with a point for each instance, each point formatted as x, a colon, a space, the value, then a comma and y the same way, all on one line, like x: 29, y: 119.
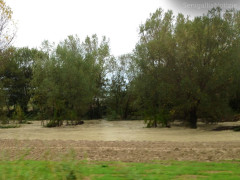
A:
x: 54, y: 20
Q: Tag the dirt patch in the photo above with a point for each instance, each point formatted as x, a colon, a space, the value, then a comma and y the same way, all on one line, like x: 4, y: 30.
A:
x: 119, y: 150
x: 102, y: 130
x: 216, y: 172
x: 185, y: 177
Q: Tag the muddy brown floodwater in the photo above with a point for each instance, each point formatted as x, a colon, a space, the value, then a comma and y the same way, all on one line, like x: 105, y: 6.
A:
x: 126, y: 141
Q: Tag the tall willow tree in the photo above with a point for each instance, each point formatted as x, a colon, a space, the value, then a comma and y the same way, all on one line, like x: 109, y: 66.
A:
x: 187, y: 68
x: 153, y: 54
x: 99, y: 54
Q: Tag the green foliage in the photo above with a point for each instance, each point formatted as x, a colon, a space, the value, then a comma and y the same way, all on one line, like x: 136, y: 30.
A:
x: 188, y: 67
x: 121, y: 98
x: 19, y: 114
x: 7, y: 126
x: 162, y: 118
x: 2, y: 104
x: 113, y: 115
x: 237, y: 128
x: 71, y: 176
x: 16, y: 74
x: 68, y: 80
x: 4, y: 119
x: 26, y: 169
x: 235, y: 99
x: 53, y: 123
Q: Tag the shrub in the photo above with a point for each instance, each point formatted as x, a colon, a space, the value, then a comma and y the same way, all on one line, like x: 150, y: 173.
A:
x: 113, y: 115
x: 52, y: 123
x: 19, y: 114
x: 162, y: 118
x: 9, y: 126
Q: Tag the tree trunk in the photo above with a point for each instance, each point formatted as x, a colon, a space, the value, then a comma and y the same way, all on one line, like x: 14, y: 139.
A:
x: 99, y: 111
x: 193, y: 118
x: 126, y: 109
x: 155, y: 123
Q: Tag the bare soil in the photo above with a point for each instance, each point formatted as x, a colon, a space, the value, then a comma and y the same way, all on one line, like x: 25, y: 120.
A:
x: 126, y: 141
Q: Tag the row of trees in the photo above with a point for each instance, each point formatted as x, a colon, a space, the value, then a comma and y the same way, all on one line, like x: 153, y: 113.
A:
x: 57, y: 83
x: 181, y: 68
x: 70, y: 81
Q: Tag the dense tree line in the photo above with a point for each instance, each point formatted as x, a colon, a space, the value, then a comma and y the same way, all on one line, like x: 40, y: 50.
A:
x: 68, y: 83
x: 181, y: 68
x: 188, y: 69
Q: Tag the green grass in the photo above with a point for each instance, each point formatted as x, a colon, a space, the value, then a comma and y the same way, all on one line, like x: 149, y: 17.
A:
x: 70, y: 170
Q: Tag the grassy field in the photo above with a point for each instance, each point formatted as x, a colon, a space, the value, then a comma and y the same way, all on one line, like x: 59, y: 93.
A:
x: 70, y: 170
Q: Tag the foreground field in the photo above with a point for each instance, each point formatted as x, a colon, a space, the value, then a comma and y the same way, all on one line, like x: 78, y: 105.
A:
x: 126, y: 141
x: 71, y: 170
x: 119, y: 150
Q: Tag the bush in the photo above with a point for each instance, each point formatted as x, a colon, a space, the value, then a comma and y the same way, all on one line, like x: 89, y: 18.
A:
x: 113, y: 115
x: 3, y: 117
x: 19, y: 114
x: 9, y: 126
x: 162, y: 118
x: 237, y: 128
x: 52, y: 124
x: 4, y: 120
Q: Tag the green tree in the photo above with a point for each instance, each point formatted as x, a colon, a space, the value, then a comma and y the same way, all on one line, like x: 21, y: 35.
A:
x: 153, y: 54
x: 120, y: 95
x: 7, y: 33
x: 66, y: 81
x: 16, y: 75
x: 2, y: 103
x: 186, y: 67
x: 99, y: 52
